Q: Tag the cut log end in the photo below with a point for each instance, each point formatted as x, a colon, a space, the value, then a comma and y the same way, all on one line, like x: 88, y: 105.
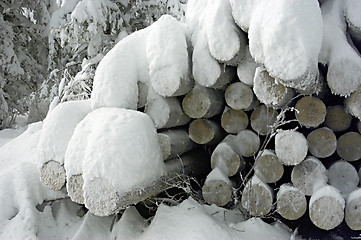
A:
x: 322, y: 142
x: 291, y: 202
x: 174, y: 142
x: 268, y: 168
x: 349, y: 146
x: 52, y: 175
x: 217, y: 192
x: 311, y: 111
x: 248, y: 143
x: 291, y: 147
x: 226, y: 158
x: 343, y: 176
x: 262, y: 119
x: 353, y: 210
x: 234, y: 121
x: 239, y: 96
x: 74, y: 187
x: 203, y: 131
x: 337, y: 119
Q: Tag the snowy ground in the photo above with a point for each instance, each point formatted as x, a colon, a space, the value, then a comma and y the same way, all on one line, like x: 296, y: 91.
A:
x: 30, y: 211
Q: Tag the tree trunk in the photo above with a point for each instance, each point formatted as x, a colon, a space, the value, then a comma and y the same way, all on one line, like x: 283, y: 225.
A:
x: 349, y: 146
x: 52, y: 175
x: 322, y: 142
x: 291, y: 202
x: 337, y: 119
x: 309, y: 175
x: 291, y: 147
x: 257, y: 197
x: 204, y: 131
x: 326, y: 208
x: 310, y: 111
x: 217, y: 188
x: 262, y: 119
x: 353, y: 210
x: 174, y: 143
x: 202, y: 102
x: 234, y: 121
x: 268, y: 168
x: 239, y: 96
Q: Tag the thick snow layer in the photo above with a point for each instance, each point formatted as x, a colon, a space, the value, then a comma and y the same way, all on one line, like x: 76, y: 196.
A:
x: 356, y: 194
x: 327, y: 191
x: 246, y: 68
x: 167, y: 54
x: 344, y: 62
x: 58, y: 127
x: 8, y: 134
x: 218, y: 174
x: 122, y: 147
x: 285, y: 37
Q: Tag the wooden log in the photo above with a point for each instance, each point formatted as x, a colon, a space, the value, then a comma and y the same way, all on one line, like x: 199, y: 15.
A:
x: 337, y: 119
x: 74, y: 187
x: 246, y: 68
x: 226, y: 156
x: 349, y: 146
x: 322, y: 142
x: 239, y: 96
x: 217, y: 188
x: 309, y: 175
x: 202, y: 102
x: 248, y: 143
x: 204, y: 131
x: 262, y: 119
x: 353, y: 104
x: 257, y: 197
x: 353, y: 210
x: 269, y: 91
x: 226, y: 76
x: 165, y: 112
x: 234, y: 121
x: 291, y: 202
x: 326, y: 208
x: 174, y: 143
x: 267, y: 167
x: 291, y: 147
x: 343, y: 176
x: 52, y: 175
x: 310, y: 111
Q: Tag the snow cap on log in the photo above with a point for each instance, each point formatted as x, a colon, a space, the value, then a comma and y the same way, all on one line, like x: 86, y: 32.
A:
x: 246, y: 68
x: 353, y: 210
x: 291, y: 147
x: 352, y: 14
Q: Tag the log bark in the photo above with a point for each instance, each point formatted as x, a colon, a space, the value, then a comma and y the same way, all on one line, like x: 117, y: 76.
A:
x: 353, y: 210
x: 268, y: 168
x: 343, y: 176
x: 262, y: 118
x: 326, y: 208
x: 248, y: 143
x: 291, y: 147
x: 337, y: 119
x: 239, y: 96
x: 310, y: 111
x: 353, y: 104
x: 269, y: 91
x: 52, y: 175
x: 217, y: 188
x: 234, y: 121
x: 202, y: 102
x: 322, y: 142
x: 257, y: 197
x: 349, y: 146
x: 227, y: 157
x: 174, y: 143
x: 291, y: 202
x: 165, y: 112
x: 204, y: 131
x: 309, y: 175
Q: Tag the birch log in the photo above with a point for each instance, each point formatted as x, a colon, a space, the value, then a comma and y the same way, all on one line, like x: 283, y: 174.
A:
x: 262, y: 119
x: 217, y: 188
x: 239, y: 96
x: 268, y: 168
x: 291, y: 202
x: 337, y: 119
x: 310, y: 111
x: 165, y: 112
x: 309, y: 175
x: 248, y: 143
x: 349, y: 146
x: 204, y: 131
x: 322, y: 142
x: 353, y: 210
x: 326, y: 208
x: 257, y: 197
x: 343, y: 176
x: 174, y: 143
x: 234, y: 121
x: 353, y: 104
x: 202, y: 102
x: 227, y: 156
x: 291, y: 147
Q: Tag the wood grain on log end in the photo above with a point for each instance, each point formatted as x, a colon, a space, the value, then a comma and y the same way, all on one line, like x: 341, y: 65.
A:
x: 322, y: 142
x: 353, y: 210
x: 291, y: 202
x: 262, y: 118
x: 268, y: 168
x: 239, y: 96
x: 217, y: 188
x: 52, y: 175
x: 311, y: 111
x: 343, y: 176
x: 349, y: 146
x: 74, y: 188
x: 337, y: 119
x: 204, y: 131
x: 234, y: 121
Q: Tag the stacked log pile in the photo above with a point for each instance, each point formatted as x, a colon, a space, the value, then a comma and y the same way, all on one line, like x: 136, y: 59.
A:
x: 279, y: 147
